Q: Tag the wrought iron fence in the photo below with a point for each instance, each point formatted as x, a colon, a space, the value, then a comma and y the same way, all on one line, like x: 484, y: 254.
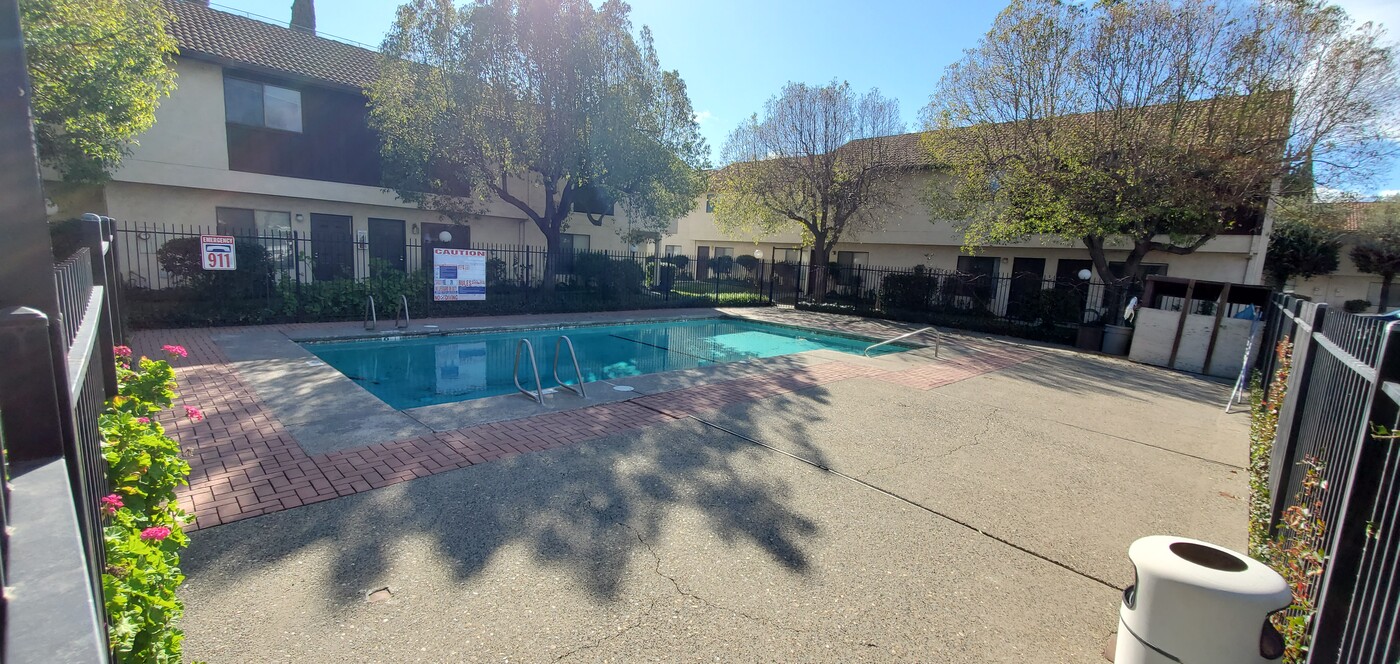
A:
x: 1025, y: 305
x: 285, y: 276
x: 1341, y: 390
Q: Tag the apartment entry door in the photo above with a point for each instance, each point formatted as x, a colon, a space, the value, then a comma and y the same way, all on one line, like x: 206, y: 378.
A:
x: 1027, y: 278
x: 702, y: 262
x: 332, y: 247
x: 386, y: 245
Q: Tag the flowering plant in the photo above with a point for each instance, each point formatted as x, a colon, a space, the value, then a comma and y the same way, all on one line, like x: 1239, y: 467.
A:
x: 143, y: 535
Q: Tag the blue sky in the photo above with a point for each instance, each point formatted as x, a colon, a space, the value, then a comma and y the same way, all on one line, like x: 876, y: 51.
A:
x: 735, y: 54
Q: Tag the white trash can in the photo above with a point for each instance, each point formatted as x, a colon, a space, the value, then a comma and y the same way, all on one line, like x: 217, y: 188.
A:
x: 1199, y: 603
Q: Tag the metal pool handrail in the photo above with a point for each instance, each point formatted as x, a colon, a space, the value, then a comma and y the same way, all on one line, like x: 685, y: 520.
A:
x: 538, y: 396
x: 371, y: 318
x: 577, y: 371
x: 403, y: 309
x: 937, y: 340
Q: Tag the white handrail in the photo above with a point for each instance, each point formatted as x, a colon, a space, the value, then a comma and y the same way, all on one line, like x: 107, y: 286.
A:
x: 371, y: 318
x: 538, y: 396
x: 403, y: 308
x: 577, y: 371
x: 937, y: 340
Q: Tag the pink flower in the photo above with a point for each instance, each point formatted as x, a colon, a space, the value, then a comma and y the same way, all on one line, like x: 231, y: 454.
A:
x: 175, y: 351
x: 122, y: 351
x: 144, y: 420
x: 156, y: 533
x: 111, y: 503
x: 193, y: 413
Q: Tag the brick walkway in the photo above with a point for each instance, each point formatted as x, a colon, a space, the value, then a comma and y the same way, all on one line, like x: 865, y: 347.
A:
x: 244, y: 464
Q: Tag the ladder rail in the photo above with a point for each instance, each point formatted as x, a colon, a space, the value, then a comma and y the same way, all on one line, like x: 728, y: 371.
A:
x: 371, y: 317
x: 937, y: 340
x: 403, y: 309
x: 538, y: 396
x: 564, y: 340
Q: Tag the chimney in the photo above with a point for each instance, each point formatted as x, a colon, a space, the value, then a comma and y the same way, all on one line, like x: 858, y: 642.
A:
x: 304, y: 16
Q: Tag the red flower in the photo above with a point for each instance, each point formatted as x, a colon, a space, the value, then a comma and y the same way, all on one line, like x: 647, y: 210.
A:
x: 122, y: 351
x: 111, y: 503
x: 175, y: 351
x: 156, y: 533
x: 144, y: 420
x: 193, y: 413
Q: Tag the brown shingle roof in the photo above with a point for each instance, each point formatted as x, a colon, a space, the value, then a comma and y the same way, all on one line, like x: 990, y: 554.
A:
x: 200, y: 30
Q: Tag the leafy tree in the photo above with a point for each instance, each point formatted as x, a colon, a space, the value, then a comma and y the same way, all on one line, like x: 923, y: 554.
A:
x: 819, y: 162
x: 1155, y: 125
x: 1377, y: 248
x: 98, y: 69
x: 537, y: 104
x: 1304, y: 242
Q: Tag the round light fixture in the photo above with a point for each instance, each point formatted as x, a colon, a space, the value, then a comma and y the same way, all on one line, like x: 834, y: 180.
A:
x: 445, y: 236
x: 758, y: 253
x: 1085, y: 274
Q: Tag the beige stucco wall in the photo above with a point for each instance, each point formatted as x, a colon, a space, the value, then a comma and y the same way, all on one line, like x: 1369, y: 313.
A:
x: 1347, y: 283
x: 905, y: 235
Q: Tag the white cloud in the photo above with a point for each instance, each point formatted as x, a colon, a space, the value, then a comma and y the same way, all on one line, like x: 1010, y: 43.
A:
x: 1385, y: 12
x: 702, y: 116
x: 1387, y: 192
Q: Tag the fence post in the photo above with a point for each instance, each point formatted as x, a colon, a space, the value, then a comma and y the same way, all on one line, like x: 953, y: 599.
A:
x: 1348, y: 542
x: 98, y: 247
x: 716, y: 276
x: 1290, y: 414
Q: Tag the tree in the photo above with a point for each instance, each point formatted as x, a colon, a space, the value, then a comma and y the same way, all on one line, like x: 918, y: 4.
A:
x: 1377, y: 248
x: 1305, y: 241
x: 819, y: 161
x: 538, y: 104
x: 98, y: 69
x: 1153, y: 125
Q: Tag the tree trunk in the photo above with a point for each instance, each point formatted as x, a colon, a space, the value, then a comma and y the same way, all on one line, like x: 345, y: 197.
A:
x: 1386, y: 278
x: 816, y: 272
x: 551, y: 255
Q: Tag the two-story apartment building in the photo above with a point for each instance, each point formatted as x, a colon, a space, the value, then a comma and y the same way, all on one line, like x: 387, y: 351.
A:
x: 267, y: 132
x: 907, y: 235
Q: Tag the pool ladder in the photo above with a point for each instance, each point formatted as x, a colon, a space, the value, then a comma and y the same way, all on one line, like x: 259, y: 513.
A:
x: 937, y: 341
x: 400, y: 317
x: 538, y: 395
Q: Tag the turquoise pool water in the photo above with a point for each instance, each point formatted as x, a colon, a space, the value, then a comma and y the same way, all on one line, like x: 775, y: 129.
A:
x: 422, y: 371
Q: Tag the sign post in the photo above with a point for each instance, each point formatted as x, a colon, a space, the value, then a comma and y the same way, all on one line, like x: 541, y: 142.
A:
x: 459, y: 274
x: 216, y: 252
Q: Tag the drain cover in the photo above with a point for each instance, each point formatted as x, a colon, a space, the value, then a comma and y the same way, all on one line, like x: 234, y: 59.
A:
x: 623, y: 388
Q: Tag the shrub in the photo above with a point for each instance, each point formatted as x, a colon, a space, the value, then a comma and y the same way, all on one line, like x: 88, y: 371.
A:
x: 910, y: 291
x: 1356, y: 306
x: 608, y: 277
x: 144, y: 534
x: 1051, y: 307
x: 253, y: 278
x: 722, y: 264
x: 680, y: 262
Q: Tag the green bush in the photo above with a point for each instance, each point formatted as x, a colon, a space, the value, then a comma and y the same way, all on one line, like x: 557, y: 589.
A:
x: 612, y: 279
x: 1052, y: 306
x: 1356, y: 306
x: 254, y: 277
x: 144, y: 528
x: 722, y: 265
x: 913, y: 291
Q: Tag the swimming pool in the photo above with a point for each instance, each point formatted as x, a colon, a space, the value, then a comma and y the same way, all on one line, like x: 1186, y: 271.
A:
x: 421, y: 371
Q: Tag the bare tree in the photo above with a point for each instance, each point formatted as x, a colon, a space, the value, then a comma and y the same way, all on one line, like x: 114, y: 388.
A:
x: 819, y: 161
x: 1152, y: 125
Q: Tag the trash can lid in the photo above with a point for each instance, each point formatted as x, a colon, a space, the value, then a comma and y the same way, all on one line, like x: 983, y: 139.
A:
x: 1196, y: 563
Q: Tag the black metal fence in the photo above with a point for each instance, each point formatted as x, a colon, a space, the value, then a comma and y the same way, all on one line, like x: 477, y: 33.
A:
x: 1025, y: 305
x: 284, y: 276
x: 1344, y: 385
x: 59, y: 372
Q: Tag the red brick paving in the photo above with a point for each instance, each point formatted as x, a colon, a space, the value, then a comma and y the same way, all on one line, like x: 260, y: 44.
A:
x: 244, y: 464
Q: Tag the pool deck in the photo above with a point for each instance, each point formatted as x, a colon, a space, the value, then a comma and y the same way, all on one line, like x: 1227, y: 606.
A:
x: 283, y: 429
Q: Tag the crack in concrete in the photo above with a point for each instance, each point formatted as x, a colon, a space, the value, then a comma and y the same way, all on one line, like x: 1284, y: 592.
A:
x: 977, y: 437
x: 926, y: 456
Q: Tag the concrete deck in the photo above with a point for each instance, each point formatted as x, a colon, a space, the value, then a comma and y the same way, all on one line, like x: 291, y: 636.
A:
x: 973, y: 507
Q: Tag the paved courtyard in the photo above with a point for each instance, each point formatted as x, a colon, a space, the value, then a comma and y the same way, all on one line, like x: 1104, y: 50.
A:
x: 975, y: 506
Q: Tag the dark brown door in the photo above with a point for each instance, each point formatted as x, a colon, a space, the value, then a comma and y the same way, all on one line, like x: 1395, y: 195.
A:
x: 444, y: 236
x: 1027, y: 278
x: 332, y: 247
x: 702, y: 262
x: 386, y: 245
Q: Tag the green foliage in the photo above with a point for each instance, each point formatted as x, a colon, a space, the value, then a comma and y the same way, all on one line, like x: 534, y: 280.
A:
x: 143, y: 535
x: 609, y: 278
x: 97, y: 68
x: 680, y: 262
x: 722, y: 265
x: 1301, y: 247
x: 1050, y: 307
x: 1377, y: 245
x: 471, y: 101
x: 67, y: 237
x: 254, y: 277
x: 1356, y: 306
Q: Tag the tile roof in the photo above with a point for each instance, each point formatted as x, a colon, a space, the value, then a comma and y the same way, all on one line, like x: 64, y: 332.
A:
x: 200, y: 30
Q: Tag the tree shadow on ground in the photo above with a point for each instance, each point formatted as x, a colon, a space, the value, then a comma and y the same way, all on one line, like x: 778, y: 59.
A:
x: 588, y: 510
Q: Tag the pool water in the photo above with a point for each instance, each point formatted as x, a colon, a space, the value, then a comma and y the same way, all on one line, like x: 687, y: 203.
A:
x: 422, y: 371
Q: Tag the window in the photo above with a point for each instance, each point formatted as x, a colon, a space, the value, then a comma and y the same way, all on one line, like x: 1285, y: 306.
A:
x: 259, y: 105
x: 852, y: 258
x: 724, y: 251
x: 709, y: 202
x: 673, y: 249
x: 591, y: 200
x: 789, y: 255
x: 570, y: 245
x: 242, y: 221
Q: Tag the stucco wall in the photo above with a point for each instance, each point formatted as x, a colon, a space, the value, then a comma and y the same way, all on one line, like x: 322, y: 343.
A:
x: 1347, y: 283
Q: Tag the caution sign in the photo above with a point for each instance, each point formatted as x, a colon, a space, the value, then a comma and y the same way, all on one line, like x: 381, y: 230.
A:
x: 217, y: 252
x: 459, y: 274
